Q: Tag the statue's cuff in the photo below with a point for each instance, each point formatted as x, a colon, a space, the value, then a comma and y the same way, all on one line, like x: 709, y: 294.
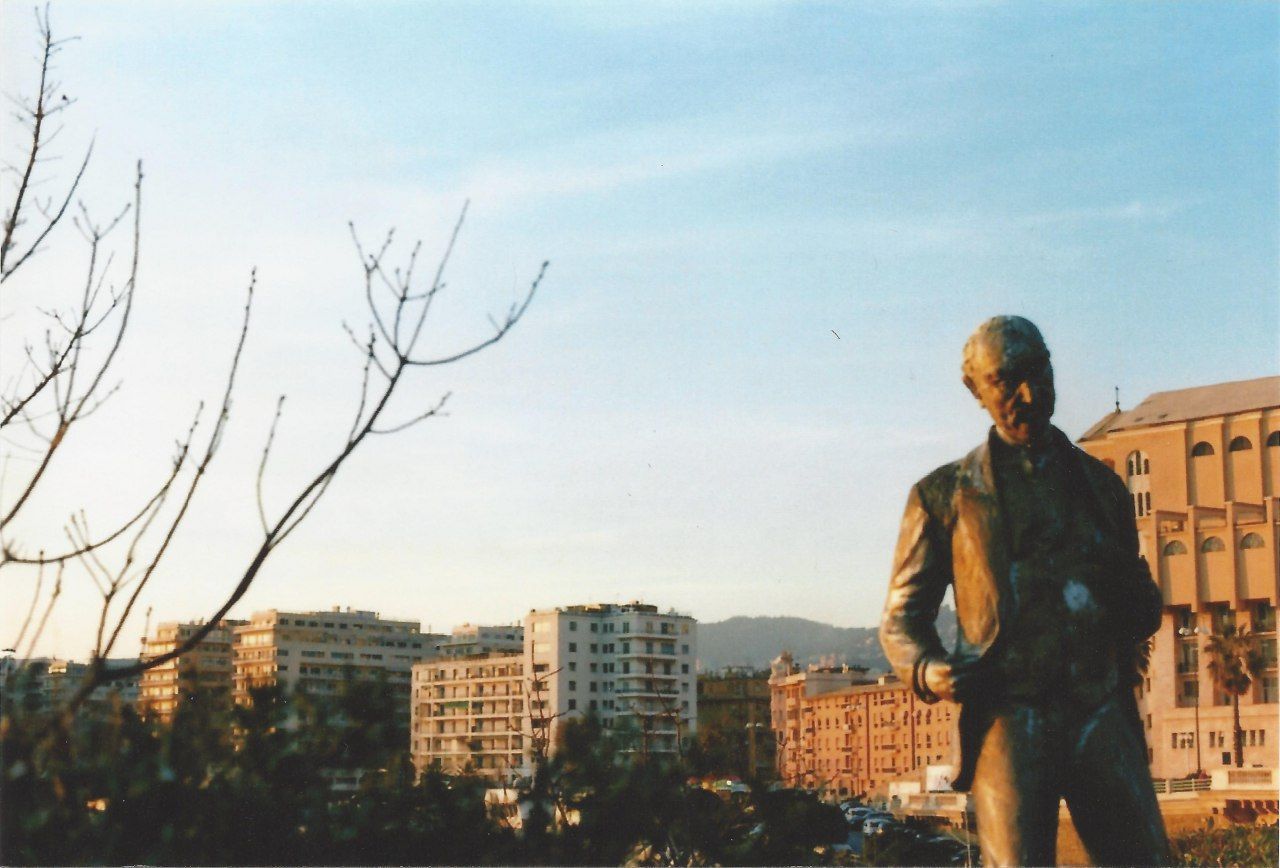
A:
x: 919, y: 683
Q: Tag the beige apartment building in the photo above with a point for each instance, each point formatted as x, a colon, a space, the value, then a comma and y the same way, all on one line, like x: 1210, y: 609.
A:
x: 469, y: 714
x: 844, y: 734
x: 317, y: 651
x: 1202, y: 467
x: 202, y: 674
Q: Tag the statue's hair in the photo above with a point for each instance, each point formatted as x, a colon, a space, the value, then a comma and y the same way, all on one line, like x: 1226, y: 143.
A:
x: 1003, y: 331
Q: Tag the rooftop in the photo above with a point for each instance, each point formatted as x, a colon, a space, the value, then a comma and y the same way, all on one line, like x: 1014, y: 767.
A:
x: 1184, y: 405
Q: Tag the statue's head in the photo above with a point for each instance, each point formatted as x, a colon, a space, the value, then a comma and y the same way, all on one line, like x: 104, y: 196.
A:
x: 1006, y: 367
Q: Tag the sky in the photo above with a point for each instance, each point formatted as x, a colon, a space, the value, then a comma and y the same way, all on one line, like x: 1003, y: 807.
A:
x: 771, y: 227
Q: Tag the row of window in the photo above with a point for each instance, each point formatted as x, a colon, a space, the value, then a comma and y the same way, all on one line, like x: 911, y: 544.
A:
x: 1249, y: 738
x: 1138, y: 464
x: 1214, y: 544
x: 1237, y: 444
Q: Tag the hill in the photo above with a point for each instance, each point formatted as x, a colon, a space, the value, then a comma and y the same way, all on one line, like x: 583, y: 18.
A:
x: 754, y: 642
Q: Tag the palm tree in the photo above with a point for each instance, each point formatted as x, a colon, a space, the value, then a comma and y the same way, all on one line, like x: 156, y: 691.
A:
x: 1235, y: 661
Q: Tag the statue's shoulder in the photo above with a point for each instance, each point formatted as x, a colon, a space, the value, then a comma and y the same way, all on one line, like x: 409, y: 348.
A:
x: 939, y: 485
x: 1102, y: 475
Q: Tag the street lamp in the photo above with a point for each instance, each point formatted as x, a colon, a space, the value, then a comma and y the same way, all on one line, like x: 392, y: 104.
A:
x: 1192, y: 632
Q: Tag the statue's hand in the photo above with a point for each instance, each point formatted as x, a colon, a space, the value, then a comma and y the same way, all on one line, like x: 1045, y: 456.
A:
x: 954, y: 682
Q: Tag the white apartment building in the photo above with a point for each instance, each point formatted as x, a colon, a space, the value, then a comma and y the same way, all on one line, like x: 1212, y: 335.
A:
x: 631, y: 665
x: 495, y: 710
x: 316, y: 651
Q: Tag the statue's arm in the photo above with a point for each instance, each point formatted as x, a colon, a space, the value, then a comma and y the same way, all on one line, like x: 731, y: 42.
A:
x: 921, y: 573
x: 1136, y: 611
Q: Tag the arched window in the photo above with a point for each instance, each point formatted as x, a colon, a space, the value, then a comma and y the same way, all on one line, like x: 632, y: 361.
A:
x: 1212, y: 544
x: 1175, y: 547
x: 1138, y: 481
x: 1240, y: 444
x: 1201, y: 449
x: 1252, y: 541
x: 1273, y: 439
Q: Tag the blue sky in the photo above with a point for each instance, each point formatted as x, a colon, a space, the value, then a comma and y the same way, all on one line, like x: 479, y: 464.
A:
x: 721, y: 190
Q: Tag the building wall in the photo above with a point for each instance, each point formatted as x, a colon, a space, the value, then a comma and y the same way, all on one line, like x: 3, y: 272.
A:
x: 317, y: 651
x: 203, y: 674
x: 840, y: 734
x: 1209, y: 532
x: 469, y: 714
x: 630, y: 664
x: 42, y: 684
x: 737, y: 704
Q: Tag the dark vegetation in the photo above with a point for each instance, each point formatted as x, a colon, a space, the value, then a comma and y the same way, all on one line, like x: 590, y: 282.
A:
x: 252, y: 786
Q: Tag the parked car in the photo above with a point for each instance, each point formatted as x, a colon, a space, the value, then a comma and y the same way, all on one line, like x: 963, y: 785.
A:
x: 858, y: 814
x: 877, y: 823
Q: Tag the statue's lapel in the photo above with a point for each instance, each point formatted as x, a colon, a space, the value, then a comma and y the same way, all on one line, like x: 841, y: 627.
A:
x: 979, y: 549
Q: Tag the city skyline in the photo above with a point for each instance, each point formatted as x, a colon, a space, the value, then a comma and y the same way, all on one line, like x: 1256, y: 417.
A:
x: 767, y: 251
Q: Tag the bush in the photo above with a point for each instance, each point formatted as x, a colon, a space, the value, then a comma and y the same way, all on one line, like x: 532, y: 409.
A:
x: 1228, y: 845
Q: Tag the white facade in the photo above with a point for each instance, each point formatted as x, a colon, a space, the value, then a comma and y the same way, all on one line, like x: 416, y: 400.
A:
x: 316, y: 651
x: 631, y: 665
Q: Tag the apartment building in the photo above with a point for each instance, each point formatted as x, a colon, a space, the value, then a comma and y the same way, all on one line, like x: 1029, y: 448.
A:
x: 469, y: 712
x: 498, y: 696
x: 202, y: 674
x: 470, y: 640
x: 42, y: 684
x: 630, y: 664
x: 844, y: 734
x: 1202, y: 467
x: 317, y: 651
x: 736, y: 703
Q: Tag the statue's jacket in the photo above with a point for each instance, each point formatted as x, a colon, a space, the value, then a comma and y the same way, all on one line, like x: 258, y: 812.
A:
x: 953, y: 533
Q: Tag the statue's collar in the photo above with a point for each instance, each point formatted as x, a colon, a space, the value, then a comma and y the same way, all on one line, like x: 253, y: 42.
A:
x: 977, y: 471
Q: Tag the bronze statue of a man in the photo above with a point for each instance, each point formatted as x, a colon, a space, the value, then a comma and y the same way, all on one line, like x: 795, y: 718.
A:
x: 1052, y: 602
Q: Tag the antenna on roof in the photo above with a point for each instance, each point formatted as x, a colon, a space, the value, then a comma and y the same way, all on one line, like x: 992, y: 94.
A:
x: 1117, y: 388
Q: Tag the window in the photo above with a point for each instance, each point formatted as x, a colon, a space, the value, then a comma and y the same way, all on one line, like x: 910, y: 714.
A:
x: 1251, y: 541
x: 1201, y: 449
x: 573, y: 626
x: 595, y: 628
x: 1175, y: 547
x: 1222, y: 617
x: 1273, y: 439
x: 573, y: 703
x: 1264, y: 618
x: 573, y: 685
x: 1212, y: 544
x: 1138, y: 464
x: 573, y: 646
x: 573, y: 667
x: 1240, y: 444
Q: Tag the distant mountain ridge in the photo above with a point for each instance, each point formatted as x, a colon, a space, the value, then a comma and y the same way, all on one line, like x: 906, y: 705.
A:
x: 752, y: 642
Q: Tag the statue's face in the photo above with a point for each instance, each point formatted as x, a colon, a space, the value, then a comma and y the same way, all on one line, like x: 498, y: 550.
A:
x: 1013, y: 380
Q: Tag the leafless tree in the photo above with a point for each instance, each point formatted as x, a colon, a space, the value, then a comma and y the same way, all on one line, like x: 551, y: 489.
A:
x: 64, y: 377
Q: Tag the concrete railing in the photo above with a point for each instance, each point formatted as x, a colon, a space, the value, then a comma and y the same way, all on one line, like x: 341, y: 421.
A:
x: 1219, y: 779
x: 1165, y: 786
x: 1244, y: 779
